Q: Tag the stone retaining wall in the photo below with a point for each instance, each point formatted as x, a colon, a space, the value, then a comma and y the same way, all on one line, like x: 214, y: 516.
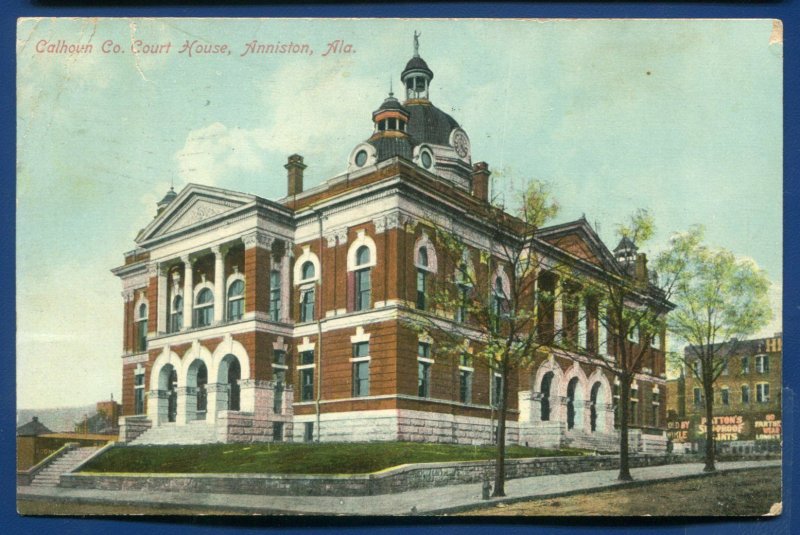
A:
x: 399, y: 479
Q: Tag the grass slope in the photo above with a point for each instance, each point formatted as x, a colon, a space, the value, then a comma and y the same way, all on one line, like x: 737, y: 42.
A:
x: 345, y: 458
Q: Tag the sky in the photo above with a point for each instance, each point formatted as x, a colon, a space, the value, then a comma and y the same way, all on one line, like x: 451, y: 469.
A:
x: 682, y: 118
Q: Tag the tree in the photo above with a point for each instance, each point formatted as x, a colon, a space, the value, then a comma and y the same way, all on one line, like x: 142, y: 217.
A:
x: 632, y: 309
x: 720, y: 298
x: 494, y: 304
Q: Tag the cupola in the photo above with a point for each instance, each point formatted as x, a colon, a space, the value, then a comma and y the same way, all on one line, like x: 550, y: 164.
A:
x: 390, y: 118
x: 168, y: 198
x: 416, y: 76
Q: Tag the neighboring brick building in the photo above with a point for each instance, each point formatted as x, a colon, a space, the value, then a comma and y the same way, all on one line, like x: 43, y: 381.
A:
x: 747, y: 398
x: 284, y: 320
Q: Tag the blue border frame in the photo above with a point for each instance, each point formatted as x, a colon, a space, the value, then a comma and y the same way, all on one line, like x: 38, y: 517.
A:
x: 785, y: 11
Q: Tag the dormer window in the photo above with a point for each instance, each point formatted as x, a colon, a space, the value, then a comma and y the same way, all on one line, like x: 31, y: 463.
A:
x: 426, y: 159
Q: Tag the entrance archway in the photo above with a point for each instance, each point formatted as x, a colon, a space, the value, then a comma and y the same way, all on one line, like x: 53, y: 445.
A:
x: 168, y: 382
x: 547, y: 382
x: 571, y: 391
x: 595, y: 398
x: 230, y: 372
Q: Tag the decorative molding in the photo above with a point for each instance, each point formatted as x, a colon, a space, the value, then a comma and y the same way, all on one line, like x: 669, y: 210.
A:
x: 127, y: 295
x: 257, y: 239
x: 306, y: 345
x: 152, y: 269
x: 360, y: 336
x: 330, y: 237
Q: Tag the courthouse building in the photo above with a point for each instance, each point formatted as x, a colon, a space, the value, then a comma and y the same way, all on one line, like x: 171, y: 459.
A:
x: 248, y: 319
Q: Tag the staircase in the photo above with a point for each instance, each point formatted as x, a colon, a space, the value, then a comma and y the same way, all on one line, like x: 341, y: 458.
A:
x: 50, y: 475
x: 197, y: 432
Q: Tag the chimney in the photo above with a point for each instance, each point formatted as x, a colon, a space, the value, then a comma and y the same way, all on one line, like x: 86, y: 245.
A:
x: 640, y: 275
x: 480, y: 180
x: 294, y: 174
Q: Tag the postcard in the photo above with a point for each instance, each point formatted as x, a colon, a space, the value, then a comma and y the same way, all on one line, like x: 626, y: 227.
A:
x: 399, y: 267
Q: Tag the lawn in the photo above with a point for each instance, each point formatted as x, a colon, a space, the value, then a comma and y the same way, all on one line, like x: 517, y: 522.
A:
x: 341, y: 458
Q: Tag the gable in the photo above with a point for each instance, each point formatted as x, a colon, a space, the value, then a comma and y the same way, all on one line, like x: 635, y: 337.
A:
x: 573, y: 244
x: 194, y: 206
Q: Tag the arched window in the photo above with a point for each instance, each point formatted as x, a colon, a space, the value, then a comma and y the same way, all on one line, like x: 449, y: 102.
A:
x: 176, y: 314
x: 204, y: 308
x: 236, y: 300
x: 363, y: 280
x: 500, y: 304
x: 307, y: 271
x: 141, y: 328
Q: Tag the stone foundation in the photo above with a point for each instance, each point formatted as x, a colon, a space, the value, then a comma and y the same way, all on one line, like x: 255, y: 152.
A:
x: 130, y: 427
x: 403, y: 425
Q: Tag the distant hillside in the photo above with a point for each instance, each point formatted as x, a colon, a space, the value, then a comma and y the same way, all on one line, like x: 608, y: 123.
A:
x: 60, y: 419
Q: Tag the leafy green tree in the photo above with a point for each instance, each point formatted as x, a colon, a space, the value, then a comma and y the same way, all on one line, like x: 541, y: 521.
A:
x: 720, y: 298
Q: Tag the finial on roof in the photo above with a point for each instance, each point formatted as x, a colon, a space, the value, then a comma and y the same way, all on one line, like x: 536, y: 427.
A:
x: 416, y: 43
x: 391, y: 92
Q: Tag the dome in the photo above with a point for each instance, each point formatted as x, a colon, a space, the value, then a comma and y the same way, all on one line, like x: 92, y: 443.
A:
x: 389, y: 147
x: 392, y: 103
x: 429, y: 124
x: 168, y: 198
x: 417, y: 64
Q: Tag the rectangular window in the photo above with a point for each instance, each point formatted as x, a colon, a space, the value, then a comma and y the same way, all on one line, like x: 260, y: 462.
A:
x: 745, y: 394
x: 361, y: 369
x: 141, y: 335
x: 725, y: 367
x: 307, y: 384
x: 421, y: 289
x: 307, y: 305
x: 279, y: 376
x: 306, y: 357
x: 762, y: 392
x: 656, y: 343
x: 497, y: 388
x: 274, y: 295
x: 724, y: 396
x: 654, y: 416
x: 277, y: 431
x: 361, y: 378
x: 698, y: 397
x: 308, y: 432
x: 461, y: 310
x: 279, y: 357
x: 363, y: 289
x: 698, y: 368
x: 465, y: 386
x: 745, y: 365
x: 762, y: 364
x: 138, y: 394
x: 423, y: 379
x: 424, y: 350
x: 634, y: 406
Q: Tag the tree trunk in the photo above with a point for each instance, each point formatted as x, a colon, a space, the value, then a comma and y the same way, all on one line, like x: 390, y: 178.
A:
x: 500, y: 467
x: 708, y: 389
x: 624, y: 401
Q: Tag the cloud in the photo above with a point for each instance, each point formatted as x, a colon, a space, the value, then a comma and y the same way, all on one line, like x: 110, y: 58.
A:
x: 214, y: 154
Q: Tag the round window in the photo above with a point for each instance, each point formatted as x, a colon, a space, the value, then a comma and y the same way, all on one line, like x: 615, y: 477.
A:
x: 426, y: 160
x: 361, y: 158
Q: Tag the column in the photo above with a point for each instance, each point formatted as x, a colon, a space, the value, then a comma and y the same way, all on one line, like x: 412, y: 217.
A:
x: 219, y: 284
x: 188, y: 292
x: 157, y: 406
x: 286, y: 283
x: 558, y: 316
x: 216, y: 400
x: 161, y: 319
x: 602, y: 327
x: 187, y: 405
x: 582, y: 320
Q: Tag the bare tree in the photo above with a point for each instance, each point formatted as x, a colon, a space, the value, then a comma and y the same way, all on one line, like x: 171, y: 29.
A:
x: 632, y: 309
x: 494, y: 301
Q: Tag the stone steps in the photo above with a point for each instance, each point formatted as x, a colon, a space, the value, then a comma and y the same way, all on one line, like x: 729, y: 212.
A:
x: 50, y: 475
x: 193, y: 433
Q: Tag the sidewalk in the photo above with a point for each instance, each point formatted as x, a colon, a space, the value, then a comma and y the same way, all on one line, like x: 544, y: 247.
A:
x: 426, y: 501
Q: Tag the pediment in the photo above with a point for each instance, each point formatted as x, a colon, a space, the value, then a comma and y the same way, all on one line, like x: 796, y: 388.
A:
x: 192, y: 207
x: 580, y: 240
